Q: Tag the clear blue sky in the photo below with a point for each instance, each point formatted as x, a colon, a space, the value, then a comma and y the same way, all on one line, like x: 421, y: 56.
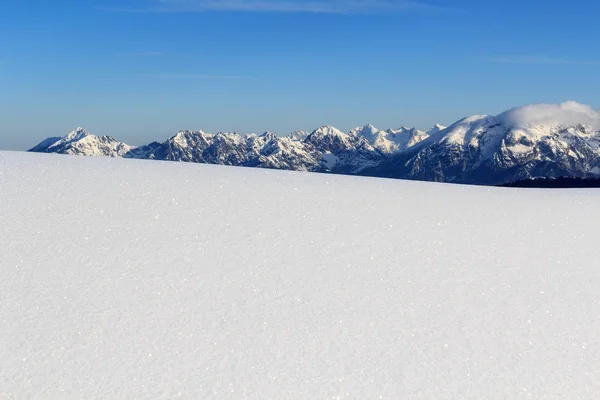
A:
x: 140, y: 70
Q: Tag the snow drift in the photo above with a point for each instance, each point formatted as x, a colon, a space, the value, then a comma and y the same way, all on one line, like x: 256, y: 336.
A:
x: 138, y: 279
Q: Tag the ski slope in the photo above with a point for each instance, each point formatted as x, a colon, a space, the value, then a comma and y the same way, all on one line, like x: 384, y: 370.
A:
x: 123, y: 279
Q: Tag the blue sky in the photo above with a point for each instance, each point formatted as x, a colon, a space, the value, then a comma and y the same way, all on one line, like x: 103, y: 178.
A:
x: 140, y: 70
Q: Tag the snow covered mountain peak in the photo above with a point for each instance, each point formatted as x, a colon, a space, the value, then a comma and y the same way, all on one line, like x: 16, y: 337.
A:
x: 189, y: 133
x: 327, y: 130
x: 77, y: 134
x: 565, y: 114
x: 533, y: 123
x: 390, y: 140
x: 366, y: 130
x: 298, y: 135
x: 369, y: 132
x: 435, y: 129
x: 268, y: 135
x: 82, y: 142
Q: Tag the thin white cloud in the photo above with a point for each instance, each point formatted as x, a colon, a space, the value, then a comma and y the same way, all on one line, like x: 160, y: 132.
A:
x: 193, y: 76
x: 540, y: 61
x: 306, y: 6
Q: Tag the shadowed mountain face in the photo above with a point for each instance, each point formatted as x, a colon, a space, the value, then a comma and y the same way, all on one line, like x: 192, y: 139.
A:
x: 523, y: 143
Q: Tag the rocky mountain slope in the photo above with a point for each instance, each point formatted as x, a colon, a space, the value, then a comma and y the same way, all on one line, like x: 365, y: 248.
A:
x: 543, y: 140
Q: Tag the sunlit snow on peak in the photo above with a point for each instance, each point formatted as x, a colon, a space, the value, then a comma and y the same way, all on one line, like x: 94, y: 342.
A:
x: 569, y: 113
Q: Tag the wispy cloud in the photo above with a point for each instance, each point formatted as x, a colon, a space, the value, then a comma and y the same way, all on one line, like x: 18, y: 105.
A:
x: 306, y: 6
x: 193, y: 76
x: 539, y: 61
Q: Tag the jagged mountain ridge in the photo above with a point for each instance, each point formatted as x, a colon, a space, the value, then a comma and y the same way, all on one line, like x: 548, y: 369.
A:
x: 326, y: 149
x: 536, y: 141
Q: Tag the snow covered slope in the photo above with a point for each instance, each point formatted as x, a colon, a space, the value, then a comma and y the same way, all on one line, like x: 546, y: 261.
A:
x: 145, y: 279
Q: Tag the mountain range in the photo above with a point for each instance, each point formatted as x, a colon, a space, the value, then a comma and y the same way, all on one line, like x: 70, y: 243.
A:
x: 534, y: 141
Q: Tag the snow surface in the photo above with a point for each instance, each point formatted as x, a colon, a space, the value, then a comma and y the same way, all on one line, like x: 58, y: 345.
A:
x: 128, y: 279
